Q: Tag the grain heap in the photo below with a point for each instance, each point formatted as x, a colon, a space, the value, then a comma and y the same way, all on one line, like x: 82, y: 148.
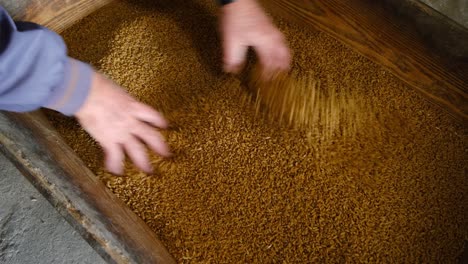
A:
x: 242, y: 189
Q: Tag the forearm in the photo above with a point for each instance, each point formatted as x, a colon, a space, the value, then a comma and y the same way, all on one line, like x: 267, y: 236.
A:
x: 35, y: 70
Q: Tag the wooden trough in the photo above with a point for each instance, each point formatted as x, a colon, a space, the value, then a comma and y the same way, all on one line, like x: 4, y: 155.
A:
x: 403, y: 36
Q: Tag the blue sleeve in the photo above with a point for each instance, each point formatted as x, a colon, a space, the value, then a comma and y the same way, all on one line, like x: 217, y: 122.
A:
x: 35, y: 70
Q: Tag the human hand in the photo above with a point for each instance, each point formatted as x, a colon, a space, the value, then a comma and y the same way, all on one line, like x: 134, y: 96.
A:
x: 120, y: 124
x: 244, y: 24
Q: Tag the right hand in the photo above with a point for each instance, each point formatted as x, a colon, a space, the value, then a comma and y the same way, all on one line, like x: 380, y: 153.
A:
x: 244, y: 24
x: 121, y: 124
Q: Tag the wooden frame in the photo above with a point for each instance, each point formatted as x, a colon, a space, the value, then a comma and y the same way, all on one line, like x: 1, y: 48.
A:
x: 110, y: 227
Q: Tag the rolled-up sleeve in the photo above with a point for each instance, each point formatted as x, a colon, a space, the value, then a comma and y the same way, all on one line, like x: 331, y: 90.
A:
x: 35, y: 70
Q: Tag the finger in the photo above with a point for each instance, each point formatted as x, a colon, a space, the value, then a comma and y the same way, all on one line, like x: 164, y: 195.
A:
x: 266, y: 55
x: 266, y: 58
x: 274, y: 62
x: 283, y: 58
x: 137, y: 153
x: 114, y: 158
x: 234, y: 55
x: 153, y: 139
x: 148, y: 114
x: 274, y: 54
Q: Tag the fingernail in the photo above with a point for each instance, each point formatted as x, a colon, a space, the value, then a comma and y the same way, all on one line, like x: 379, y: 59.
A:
x: 238, y: 68
x: 149, y: 170
x: 227, y: 68
x: 232, y: 68
x: 116, y: 172
x: 171, y: 127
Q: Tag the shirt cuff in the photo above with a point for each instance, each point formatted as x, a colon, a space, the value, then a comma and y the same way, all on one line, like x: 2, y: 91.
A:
x: 72, y: 93
x: 225, y: 2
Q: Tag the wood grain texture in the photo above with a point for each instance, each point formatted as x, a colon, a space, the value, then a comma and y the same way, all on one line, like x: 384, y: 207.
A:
x: 54, y: 14
x: 368, y: 28
x: 110, y: 227
x: 442, y: 33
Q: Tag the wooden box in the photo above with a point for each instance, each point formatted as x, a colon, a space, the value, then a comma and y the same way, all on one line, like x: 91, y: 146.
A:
x: 417, y: 44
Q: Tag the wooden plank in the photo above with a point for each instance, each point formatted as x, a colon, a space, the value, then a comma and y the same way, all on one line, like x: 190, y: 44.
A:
x: 370, y: 29
x: 54, y: 14
x: 110, y: 227
x: 437, y: 30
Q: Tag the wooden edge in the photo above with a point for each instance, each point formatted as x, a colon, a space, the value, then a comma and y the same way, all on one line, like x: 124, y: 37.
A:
x: 439, y: 31
x: 463, y: 259
x: 54, y: 14
x: 110, y: 227
x: 369, y: 28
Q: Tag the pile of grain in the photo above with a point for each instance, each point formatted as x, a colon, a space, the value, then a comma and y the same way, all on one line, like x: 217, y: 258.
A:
x: 243, y: 189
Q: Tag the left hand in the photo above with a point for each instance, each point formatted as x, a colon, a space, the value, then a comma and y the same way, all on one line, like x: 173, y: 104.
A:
x: 121, y: 125
x: 244, y: 24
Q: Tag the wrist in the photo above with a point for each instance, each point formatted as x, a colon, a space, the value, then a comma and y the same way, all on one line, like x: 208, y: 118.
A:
x: 71, y: 94
x: 97, y: 81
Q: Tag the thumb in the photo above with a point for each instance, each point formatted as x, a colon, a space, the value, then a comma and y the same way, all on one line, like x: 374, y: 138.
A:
x: 234, y: 55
